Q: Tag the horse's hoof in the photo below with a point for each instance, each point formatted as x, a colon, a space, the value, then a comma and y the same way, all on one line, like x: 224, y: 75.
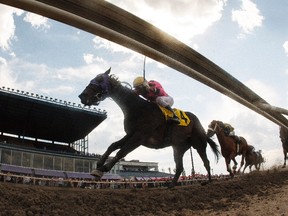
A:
x: 97, y: 173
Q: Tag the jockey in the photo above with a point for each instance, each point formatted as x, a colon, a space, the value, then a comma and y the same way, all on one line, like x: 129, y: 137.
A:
x: 154, y: 92
x: 229, y: 131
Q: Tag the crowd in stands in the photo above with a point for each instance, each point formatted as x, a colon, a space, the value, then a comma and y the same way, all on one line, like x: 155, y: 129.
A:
x: 101, y: 184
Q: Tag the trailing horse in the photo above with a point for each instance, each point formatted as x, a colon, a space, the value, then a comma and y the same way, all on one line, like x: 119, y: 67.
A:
x: 253, y: 158
x: 145, y: 124
x: 284, y: 140
x: 230, y: 148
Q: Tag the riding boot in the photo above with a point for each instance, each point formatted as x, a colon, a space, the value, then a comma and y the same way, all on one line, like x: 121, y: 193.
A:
x: 175, y: 118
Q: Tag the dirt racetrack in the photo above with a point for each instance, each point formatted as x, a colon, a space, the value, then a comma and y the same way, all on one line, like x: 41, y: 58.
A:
x: 258, y: 193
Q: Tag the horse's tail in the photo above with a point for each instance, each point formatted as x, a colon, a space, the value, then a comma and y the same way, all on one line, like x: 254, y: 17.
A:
x: 214, y: 147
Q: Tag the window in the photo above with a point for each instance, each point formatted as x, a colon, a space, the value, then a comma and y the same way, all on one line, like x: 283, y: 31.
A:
x: 6, y: 156
x: 38, y: 161
x: 48, y: 162
x: 58, y: 163
x: 16, y: 158
x: 68, y: 164
x: 78, y: 165
x: 26, y: 161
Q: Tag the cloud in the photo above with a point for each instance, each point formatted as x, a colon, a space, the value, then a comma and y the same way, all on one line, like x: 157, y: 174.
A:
x: 183, y: 18
x: 248, y: 18
x: 6, y: 76
x: 19, y: 74
x: 285, y: 46
x: 59, y: 89
x: 7, y: 25
x: 100, y: 43
x: 90, y: 58
x: 37, y: 21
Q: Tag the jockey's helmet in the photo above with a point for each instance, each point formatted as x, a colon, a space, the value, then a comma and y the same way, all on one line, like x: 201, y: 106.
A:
x: 138, y: 81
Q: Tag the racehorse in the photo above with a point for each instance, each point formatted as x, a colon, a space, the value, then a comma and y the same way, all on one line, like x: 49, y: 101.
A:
x: 253, y: 158
x: 145, y: 124
x: 229, y: 147
x: 284, y: 140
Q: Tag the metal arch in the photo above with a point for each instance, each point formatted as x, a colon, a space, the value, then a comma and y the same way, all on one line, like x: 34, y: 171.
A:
x: 112, y: 23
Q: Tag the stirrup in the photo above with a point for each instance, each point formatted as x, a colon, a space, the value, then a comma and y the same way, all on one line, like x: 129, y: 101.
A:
x: 175, y: 119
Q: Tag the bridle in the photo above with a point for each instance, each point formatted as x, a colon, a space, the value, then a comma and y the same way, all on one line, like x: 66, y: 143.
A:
x: 213, y: 129
x: 104, y: 85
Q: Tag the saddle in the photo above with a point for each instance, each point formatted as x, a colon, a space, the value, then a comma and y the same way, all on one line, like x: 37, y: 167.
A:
x: 184, y: 119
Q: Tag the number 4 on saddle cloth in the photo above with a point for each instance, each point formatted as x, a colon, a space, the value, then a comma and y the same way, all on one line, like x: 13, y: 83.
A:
x: 184, y: 119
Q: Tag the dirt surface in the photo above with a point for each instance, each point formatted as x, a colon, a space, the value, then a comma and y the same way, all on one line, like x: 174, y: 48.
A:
x: 258, y: 193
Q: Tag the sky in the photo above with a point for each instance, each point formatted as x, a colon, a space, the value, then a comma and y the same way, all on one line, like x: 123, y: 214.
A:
x: 246, y: 38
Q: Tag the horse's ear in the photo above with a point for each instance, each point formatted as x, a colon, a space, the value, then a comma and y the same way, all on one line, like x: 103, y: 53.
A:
x: 108, y: 71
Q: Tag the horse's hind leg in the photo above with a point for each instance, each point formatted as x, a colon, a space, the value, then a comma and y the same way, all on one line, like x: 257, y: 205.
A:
x: 203, y: 155
x: 285, y: 157
x: 178, y: 158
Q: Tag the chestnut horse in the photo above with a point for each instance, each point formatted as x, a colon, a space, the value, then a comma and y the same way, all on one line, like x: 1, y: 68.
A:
x: 284, y: 140
x: 253, y: 158
x: 229, y: 147
x: 145, y: 124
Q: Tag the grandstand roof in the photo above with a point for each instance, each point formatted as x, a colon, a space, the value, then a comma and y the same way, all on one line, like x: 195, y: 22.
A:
x: 35, y: 116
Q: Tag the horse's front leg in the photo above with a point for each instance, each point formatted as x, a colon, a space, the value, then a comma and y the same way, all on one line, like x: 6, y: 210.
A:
x: 227, y: 161
x: 235, y: 163
x: 125, y: 149
x: 114, y: 146
x: 246, y: 165
x: 242, y: 163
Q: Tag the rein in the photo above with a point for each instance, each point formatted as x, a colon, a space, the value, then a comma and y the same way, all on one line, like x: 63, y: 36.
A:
x: 211, y: 129
x: 108, y: 85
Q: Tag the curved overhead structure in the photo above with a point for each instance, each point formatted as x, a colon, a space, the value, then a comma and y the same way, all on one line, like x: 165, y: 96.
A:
x: 115, y: 24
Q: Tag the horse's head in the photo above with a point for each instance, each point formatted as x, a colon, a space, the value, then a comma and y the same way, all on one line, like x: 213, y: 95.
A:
x: 250, y: 150
x: 213, y: 127
x: 97, y: 90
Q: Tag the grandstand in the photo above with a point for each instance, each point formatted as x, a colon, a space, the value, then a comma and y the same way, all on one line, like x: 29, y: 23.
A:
x: 43, y: 136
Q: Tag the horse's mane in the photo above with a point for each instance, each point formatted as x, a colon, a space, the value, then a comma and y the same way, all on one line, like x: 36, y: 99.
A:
x: 117, y: 84
x: 114, y: 80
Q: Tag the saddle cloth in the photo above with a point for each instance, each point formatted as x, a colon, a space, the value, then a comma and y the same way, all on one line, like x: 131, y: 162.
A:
x: 184, y: 119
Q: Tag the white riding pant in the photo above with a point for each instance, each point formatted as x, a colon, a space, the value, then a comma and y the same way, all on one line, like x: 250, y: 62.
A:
x: 165, y: 101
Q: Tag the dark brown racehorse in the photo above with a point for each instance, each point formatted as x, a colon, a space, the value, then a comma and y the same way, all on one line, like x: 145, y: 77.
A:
x: 284, y: 140
x: 229, y: 147
x: 253, y: 158
x: 145, y: 125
